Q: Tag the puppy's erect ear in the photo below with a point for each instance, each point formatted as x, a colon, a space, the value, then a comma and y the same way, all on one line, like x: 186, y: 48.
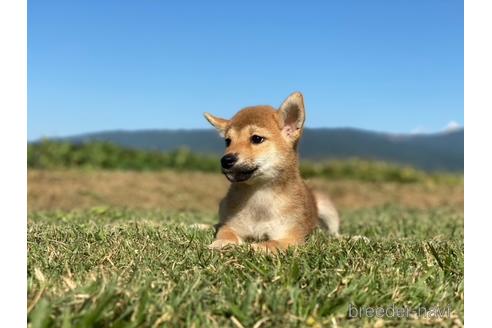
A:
x: 292, y: 116
x: 219, y: 123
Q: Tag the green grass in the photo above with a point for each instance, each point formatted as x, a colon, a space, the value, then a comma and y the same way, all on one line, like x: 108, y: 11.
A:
x: 100, y: 155
x: 121, y: 268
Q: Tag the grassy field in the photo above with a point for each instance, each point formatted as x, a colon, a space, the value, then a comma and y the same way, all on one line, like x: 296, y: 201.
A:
x: 124, y: 249
x: 201, y: 191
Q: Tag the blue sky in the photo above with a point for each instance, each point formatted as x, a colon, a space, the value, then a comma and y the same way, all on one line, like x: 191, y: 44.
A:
x: 393, y: 66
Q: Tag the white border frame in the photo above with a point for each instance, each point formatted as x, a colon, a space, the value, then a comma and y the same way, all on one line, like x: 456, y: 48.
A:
x: 13, y: 169
x: 478, y: 164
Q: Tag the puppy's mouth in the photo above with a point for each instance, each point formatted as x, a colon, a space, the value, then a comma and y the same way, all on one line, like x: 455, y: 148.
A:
x: 239, y: 174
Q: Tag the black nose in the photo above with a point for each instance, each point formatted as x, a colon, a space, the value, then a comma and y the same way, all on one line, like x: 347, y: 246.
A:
x: 228, y: 161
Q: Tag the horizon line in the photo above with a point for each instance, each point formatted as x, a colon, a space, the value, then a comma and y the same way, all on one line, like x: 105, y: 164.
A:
x: 394, y: 134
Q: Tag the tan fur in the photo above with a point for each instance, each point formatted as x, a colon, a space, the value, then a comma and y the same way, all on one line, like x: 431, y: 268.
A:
x: 274, y: 207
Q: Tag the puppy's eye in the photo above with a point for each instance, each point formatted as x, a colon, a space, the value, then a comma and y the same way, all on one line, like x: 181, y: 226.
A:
x: 255, y: 139
x: 228, y: 142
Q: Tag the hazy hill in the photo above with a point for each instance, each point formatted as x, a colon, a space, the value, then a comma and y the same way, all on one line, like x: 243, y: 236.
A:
x: 440, y: 151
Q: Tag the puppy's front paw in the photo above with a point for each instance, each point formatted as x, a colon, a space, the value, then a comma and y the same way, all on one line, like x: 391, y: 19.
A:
x: 359, y: 237
x: 221, y: 243
x: 265, y: 247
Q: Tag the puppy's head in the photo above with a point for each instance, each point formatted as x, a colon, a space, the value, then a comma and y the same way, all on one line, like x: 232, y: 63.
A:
x: 261, y: 141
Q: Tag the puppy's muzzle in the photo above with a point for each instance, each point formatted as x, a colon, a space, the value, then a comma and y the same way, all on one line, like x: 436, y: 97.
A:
x: 228, y: 161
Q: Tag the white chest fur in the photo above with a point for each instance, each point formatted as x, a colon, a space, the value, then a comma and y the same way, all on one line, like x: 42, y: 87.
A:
x: 263, y: 215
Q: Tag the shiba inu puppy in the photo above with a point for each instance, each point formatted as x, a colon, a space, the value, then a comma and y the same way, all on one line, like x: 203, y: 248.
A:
x: 267, y: 202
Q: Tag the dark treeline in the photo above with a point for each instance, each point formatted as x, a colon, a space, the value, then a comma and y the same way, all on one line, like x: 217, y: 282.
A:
x: 103, y: 155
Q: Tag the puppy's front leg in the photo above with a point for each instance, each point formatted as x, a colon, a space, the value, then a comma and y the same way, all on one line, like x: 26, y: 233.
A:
x: 225, y: 236
x: 273, y: 246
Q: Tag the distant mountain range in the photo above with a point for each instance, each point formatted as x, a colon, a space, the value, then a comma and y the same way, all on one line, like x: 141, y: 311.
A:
x: 440, y: 151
